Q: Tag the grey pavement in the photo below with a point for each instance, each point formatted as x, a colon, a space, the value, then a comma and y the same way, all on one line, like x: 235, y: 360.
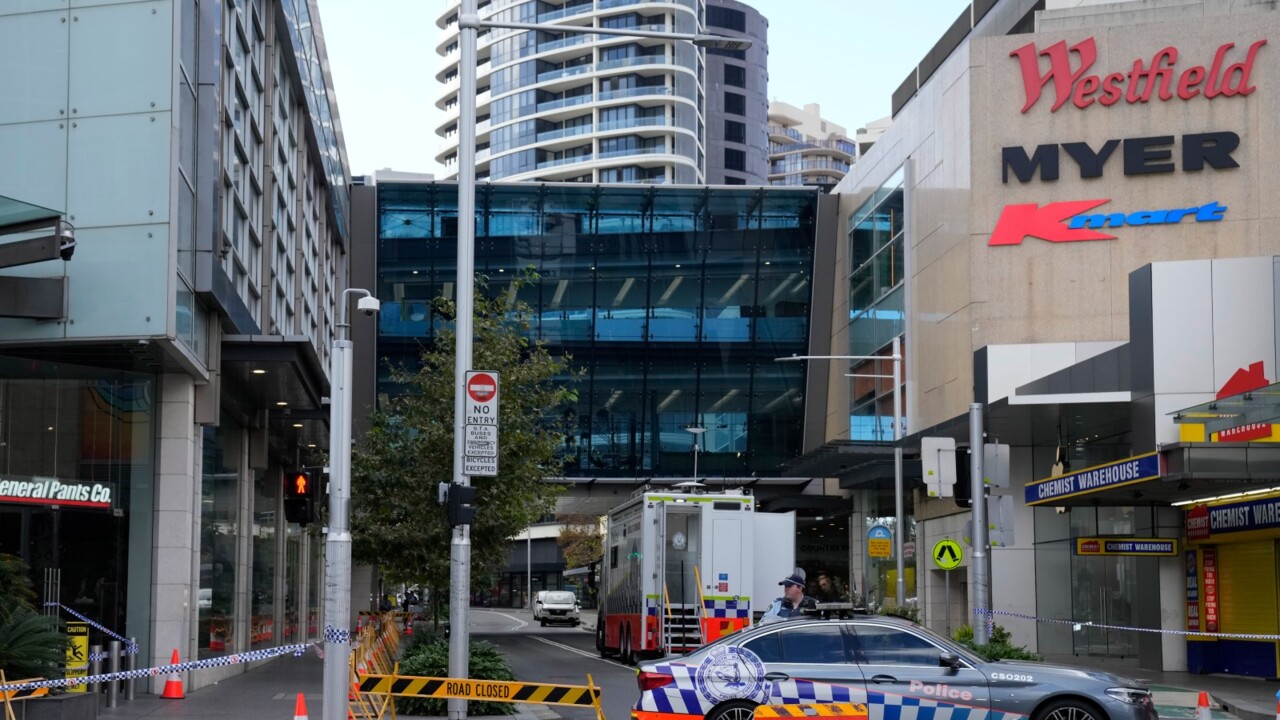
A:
x: 268, y: 690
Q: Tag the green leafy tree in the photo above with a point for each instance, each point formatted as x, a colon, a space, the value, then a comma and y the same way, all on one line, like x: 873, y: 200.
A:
x: 580, y: 541
x: 397, y: 521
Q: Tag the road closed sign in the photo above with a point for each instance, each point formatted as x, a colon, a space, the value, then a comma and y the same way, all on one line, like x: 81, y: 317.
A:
x: 480, y: 442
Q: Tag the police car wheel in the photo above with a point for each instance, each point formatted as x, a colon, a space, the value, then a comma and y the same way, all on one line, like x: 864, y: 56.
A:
x: 1070, y: 709
x: 735, y: 710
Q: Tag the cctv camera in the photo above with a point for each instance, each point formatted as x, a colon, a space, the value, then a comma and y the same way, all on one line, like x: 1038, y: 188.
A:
x: 368, y: 306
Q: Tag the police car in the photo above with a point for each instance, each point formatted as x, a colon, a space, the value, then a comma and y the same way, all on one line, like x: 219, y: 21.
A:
x: 899, y: 669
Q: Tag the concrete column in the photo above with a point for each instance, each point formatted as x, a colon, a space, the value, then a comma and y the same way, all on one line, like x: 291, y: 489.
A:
x: 176, y: 550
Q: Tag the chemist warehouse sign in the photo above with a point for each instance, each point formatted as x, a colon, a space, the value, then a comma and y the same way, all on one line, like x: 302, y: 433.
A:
x: 52, y: 491
x: 1099, y: 477
x: 1205, y: 522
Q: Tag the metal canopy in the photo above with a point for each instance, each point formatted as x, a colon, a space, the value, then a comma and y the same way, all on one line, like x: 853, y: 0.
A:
x: 1255, y: 406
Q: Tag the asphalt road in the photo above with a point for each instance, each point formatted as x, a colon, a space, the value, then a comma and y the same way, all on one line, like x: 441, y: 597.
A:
x: 562, y: 655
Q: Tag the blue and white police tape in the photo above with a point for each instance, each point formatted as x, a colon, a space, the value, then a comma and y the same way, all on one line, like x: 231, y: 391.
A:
x: 336, y: 635
x: 1080, y: 624
x: 130, y: 647
x: 234, y: 659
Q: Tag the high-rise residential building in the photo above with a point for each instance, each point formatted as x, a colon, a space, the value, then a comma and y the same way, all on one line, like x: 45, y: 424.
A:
x: 805, y: 149
x: 580, y: 107
x: 737, y: 84
x: 178, y: 372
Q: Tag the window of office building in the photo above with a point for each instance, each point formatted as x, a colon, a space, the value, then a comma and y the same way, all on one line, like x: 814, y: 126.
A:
x: 735, y: 131
x: 735, y: 159
x: 735, y: 75
x: 673, y: 302
x: 727, y: 18
x: 735, y: 103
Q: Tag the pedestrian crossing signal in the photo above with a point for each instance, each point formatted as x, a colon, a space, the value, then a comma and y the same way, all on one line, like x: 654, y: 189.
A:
x: 299, y: 497
x: 461, y: 504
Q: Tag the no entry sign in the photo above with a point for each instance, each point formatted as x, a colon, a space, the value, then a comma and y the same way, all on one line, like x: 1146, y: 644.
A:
x: 482, y: 387
x: 480, y: 445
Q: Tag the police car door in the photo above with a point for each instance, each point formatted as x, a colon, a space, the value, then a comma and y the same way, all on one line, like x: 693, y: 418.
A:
x: 906, y: 669
x: 808, y: 661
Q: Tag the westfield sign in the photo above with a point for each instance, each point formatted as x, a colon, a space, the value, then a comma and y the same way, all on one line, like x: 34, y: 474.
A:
x: 1226, y: 75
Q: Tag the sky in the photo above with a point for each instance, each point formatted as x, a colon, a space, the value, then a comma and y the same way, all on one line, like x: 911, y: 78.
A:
x: 846, y: 55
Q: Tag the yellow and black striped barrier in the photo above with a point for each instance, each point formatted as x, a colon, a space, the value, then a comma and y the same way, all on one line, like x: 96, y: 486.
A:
x: 847, y: 711
x: 491, y: 690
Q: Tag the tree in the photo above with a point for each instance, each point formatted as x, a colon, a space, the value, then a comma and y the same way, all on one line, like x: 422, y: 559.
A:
x: 580, y: 541
x: 397, y: 522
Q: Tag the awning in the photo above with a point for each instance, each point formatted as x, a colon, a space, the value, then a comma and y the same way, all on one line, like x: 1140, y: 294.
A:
x: 14, y: 213
x: 1255, y: 407
x: 283, y: 376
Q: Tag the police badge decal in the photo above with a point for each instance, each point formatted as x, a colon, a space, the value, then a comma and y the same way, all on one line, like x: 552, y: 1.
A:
x: 731, y: 673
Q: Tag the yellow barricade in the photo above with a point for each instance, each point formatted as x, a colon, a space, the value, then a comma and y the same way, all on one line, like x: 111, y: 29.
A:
x: 491, y: 690
x: 24, y: 694
x: 845, y: 711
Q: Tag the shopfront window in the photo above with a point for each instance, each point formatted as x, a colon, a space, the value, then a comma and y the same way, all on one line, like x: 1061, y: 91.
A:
x: 292, y: 583
x: 262, y: 600
x: 86, y: 435
x: 219, y: 521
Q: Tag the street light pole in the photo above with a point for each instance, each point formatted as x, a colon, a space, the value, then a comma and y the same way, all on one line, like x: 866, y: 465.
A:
x: 337, y: 566
x: 460, y: 547
x: 898, y: 489
x: 469, y: 25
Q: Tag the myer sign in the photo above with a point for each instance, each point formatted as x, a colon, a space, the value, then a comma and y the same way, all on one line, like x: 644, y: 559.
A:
x: 52, y: 491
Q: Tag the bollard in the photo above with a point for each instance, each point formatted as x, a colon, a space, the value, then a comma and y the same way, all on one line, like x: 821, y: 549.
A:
x: 113, y: 666
x: 95, y: 666
x: 133, y: 665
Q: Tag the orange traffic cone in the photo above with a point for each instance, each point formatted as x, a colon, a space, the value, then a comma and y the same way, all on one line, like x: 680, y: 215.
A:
x: 1202, y: 707
x: 300, y: 708
x: 173, y: 686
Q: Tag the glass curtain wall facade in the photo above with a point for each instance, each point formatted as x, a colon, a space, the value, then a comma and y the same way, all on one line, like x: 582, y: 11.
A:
x: 674, y: 300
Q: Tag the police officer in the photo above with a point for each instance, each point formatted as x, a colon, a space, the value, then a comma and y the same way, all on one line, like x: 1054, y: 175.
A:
x: 793, y: 599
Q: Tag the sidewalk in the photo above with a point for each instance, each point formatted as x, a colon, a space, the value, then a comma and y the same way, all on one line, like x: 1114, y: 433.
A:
x: 267, y: 691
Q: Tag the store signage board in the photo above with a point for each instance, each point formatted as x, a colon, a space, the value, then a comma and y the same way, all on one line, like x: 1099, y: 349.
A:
x: 55, y: 492
x: 1146, y: 547
x: 1203, y: 522
x: 1136, y: 469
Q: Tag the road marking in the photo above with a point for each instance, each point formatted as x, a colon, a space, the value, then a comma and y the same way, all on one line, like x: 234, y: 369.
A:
x: 576, y: 651
x: 509, y: 617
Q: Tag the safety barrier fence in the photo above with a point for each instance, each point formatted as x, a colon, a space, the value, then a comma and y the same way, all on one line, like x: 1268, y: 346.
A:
x: 487, y: 690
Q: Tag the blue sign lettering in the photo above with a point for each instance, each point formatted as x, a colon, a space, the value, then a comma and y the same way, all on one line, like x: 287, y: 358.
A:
x: 1100, y: 477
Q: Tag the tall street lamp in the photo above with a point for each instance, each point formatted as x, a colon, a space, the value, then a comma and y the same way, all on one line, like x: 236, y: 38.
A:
x: 697, y: 435
x: 337, y: 565
x: 898, y: 492
x: 469, y: 25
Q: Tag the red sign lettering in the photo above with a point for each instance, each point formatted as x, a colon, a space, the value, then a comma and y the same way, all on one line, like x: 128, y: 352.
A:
x: 1196, y: 523
x: 1135, y: 86
x: 1047, y: 223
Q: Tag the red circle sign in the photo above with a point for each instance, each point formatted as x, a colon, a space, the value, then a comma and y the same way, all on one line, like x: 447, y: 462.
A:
x: 482, y: 387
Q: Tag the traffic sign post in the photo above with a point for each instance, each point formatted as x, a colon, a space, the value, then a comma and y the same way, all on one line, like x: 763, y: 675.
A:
x: 947, y: 555
x: 480, y: 443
